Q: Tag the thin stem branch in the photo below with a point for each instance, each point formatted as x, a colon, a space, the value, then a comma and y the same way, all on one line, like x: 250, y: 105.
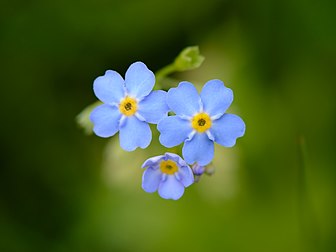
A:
x: 163, y: 73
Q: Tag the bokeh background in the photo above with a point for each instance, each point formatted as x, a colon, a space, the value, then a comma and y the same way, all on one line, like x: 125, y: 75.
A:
x: 61, y: 190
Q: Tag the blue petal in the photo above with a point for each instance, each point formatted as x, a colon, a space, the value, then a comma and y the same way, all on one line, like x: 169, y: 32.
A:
x: 171, y: 188
x: 151, y: 179
x: 227, y: 129
x: 105, y: 119
x: 134, y: 133
x: 152, y: 162
x: 186, y: 175
x: 184, y: 100
x: 139, y: 80
x: 199, y: 149
x: 175, y: 158
x: 154, y: 106
x: 109, y: 88
x: 216, y: 97
x: 174, y: 130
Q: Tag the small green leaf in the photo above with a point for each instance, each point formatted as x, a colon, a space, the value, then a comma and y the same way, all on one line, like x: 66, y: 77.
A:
x: 83, y: 118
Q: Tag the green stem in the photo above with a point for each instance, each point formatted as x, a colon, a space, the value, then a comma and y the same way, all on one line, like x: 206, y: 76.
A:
x: 307, y: 219
x: 162, y: 73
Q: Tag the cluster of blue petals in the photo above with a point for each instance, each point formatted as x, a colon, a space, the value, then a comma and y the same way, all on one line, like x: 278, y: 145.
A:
x: 153, y: 107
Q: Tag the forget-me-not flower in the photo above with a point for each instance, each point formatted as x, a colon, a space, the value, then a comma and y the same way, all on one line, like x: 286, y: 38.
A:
x: 129, y: 105
x: 168, y: 174
x: 200, y: 120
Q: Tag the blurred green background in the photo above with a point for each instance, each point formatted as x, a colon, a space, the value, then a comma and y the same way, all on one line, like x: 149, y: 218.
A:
x: 63, y: 191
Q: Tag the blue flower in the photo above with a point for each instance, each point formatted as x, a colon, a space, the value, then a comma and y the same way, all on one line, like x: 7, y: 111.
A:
x: 169, y: 174
x: 129, y: 105
x: 200, y: 121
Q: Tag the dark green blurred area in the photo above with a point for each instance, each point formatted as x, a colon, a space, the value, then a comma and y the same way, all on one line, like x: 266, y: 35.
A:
x: 274, y: 191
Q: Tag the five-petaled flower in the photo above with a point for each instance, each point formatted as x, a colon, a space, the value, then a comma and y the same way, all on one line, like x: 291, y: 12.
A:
x: 129, y: 105
x: 200, y: 120
x: 168, y: 174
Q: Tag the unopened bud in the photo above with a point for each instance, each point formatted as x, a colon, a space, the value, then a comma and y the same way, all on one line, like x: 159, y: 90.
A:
x: 188, y: 59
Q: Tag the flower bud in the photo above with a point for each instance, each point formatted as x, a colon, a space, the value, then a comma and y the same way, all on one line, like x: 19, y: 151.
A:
x: 188, y: 59
x: 197, y: 169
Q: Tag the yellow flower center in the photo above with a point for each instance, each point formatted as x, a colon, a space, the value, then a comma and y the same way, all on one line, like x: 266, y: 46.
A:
x: 128, y: 106
x: 168, y: 166
x: 201, y: 122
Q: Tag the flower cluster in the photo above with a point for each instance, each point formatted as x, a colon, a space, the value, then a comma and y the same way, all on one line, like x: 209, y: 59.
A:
x: 199, y: 120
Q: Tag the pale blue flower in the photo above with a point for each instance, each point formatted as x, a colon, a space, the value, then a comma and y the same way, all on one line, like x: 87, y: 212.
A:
x: 200, y: 121
x: 129, y: 105
x: 168, y: 174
